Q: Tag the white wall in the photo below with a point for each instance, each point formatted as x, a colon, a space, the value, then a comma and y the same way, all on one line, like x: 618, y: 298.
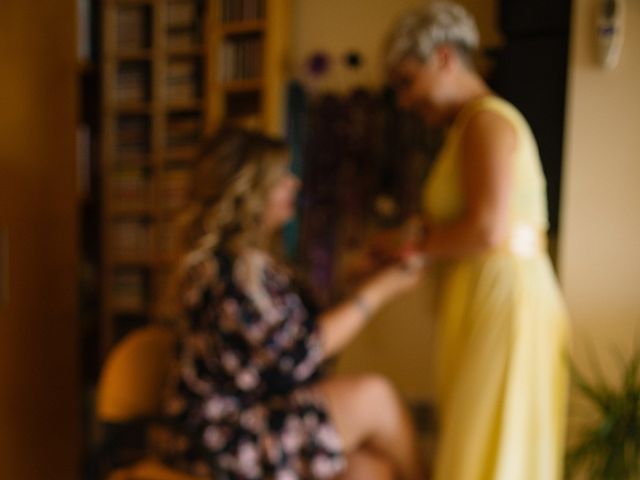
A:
x: 600, y: 231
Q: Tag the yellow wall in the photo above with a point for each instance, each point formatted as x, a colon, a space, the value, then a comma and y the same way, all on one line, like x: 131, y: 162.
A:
x: 600, y: 231
x: 337, y: 26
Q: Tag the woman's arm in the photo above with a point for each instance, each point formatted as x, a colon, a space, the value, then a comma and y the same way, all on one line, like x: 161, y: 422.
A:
x: 339, y: 325
x: 488, y: 146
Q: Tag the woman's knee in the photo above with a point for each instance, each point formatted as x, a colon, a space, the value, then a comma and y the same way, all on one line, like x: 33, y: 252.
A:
x: 360, y: 405
x: 378, y: 391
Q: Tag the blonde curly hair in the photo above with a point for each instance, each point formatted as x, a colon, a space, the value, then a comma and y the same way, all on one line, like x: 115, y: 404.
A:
x: 418, y: 32
x: 236, y: 170
x: 231, y: 180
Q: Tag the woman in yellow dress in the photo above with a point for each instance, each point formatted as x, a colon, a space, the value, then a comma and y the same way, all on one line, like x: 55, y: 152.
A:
x: 503, y: 329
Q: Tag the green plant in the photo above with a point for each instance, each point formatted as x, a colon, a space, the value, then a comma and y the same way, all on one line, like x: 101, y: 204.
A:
x: 609, y: 446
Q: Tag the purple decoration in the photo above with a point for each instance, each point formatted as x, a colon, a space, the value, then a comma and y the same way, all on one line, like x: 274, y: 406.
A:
x: 318, y: 63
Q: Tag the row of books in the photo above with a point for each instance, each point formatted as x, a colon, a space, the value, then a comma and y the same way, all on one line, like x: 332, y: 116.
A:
x: 134, y: 28
x: 133, y: 187
x: 184, y: 38
x: 184, y: 130
x: 184, y: 24
x: 182, y: 14
x: 241, y: 10
x: 241, y: 58
x: 183, y: 80
x: 131, y: 238
x: 175, y: 188
x: 133, y: 83
x: 140, y: 239
x: 132, y: 288
x: 129, y: 290
x: 133, y: 134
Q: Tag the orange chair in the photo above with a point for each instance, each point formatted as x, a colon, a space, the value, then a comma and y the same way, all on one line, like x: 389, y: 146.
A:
x: 130, y: 390
x: 134, y: 375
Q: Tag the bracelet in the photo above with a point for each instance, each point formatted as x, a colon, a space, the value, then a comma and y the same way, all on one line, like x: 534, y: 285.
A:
x: 362, y: 305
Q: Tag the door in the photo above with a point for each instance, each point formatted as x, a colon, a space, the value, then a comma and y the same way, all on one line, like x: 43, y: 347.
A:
x: 39, y: 399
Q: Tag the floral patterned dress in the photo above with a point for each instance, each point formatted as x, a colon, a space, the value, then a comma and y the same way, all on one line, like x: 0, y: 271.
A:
x: 242, y: 405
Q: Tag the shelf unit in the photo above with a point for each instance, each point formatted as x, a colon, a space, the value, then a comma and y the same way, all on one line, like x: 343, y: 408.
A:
x: 172, y: 72
x: 249, y: 63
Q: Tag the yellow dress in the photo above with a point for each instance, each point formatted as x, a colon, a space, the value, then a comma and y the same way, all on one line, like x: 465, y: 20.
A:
x: 503, y: 329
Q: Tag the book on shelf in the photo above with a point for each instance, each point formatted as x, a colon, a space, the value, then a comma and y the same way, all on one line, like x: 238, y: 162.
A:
x: 168, y: 239
x: 129, y: 292
x: 131, y: 238
x: 133, y: 134
x: 184, y: 24
x: 183, y: 39
x: 182, y: 14
x: 183, y: 131
x: 133, y: 28
x: 131, y: 187
x: 133, y: 82
x: 242, y: 10
x: 242, y: 58
x: 175, y: 188
x: 183, y: 80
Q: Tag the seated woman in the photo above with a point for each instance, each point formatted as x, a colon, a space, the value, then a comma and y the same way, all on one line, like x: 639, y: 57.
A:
x: 249, y: 400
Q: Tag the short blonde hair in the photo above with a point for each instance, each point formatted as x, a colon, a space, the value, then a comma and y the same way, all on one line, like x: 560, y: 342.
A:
x: 420, y: 31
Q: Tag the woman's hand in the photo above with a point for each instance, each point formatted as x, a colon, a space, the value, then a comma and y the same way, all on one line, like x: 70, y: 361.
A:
x: 339, y: 325
x: 392, y: 281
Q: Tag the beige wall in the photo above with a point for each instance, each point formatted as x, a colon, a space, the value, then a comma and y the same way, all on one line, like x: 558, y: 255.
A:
x: 600, y: 231
x: 337, y: 26
x: 39, y: 394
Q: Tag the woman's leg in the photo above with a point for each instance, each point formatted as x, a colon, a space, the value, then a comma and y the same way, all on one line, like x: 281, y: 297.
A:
x: 368, y: 412
x: 369, y: 465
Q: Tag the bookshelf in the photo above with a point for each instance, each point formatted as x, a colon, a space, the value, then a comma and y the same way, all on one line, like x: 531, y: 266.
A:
x: 250, y: 39
x: 172, y: 71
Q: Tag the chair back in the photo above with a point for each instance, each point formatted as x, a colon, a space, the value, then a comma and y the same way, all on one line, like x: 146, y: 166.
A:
x: 134, y: 375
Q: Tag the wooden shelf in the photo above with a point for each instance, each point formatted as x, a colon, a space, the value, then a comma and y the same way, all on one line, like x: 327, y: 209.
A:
x: 130, y: 310
x: 133, y: 55
x: 133, y: 107
x: 132, y: 211
x: 244, y: 27
x: 126, y: 160
x: 132, y: 261
x: 185, y: 51
x: 132, y: 3
x: 249, y: 85
x: 184, y: 155
x: 185, y: 105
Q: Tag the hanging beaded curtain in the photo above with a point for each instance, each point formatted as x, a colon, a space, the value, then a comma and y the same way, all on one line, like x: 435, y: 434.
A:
x: 363, y: 164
